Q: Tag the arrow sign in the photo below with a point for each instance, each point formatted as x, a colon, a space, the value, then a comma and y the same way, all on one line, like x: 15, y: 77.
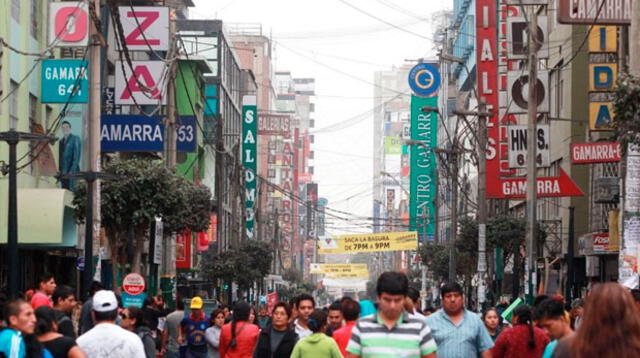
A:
x: 563, y: 185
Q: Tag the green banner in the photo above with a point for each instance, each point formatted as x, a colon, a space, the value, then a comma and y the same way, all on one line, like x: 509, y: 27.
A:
x: 424, y: 128
x: 250, y: 160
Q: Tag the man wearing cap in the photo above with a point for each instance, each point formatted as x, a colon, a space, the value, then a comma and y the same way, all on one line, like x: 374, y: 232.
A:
x: 192, y: 330
x: 106, y: 339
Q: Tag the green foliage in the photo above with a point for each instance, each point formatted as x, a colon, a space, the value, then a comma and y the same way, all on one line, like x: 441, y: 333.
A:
x: 244, y: 265
x: 627, y: 110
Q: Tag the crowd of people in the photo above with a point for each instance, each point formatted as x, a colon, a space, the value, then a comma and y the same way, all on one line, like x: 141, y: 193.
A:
x: 50, y: 323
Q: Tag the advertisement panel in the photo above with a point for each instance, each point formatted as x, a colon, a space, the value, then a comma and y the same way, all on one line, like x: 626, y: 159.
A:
x: 423, y: 172
x: 146, y: 84
x: 630, y: 248
x: 64, y: 81
x: 139, y: 133
x: 145, y: 27
x: 183, y: 250
x: 249, y: 160
x: 340, y: 270
x: 352, y: 244
x: 70, y: 139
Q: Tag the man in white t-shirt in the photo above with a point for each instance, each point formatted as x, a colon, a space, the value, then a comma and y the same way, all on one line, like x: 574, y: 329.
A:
x: 106, y: 339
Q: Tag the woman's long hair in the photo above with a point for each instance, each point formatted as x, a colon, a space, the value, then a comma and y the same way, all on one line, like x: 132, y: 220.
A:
x: 523, y: 314
x: 610, y: 326
x: 240, y: 313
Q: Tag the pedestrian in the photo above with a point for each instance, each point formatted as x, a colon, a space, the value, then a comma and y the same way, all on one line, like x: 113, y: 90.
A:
x: 227, y: 313
x: 550, y: 316
x: 413, y: 303
x: 523, y: 340
x: 577, y: 310
x: 106, y: 339
x: 458, y: 332
x: 305, y: 305
x: 317, y: 344
x: 21, y: 321
x: 404, y: 336
x: 170, y: 345
x: 253, y: 316
x: 335, y: 318
x: 86, y: 318
x: 132, y: 319
x: 491, y: 322
x: 238, y: 338
x: 192, y: 330
x: 212, y: 334
x: 351, y: 312
x: 278, y: 339
x: 64, y: 301
x: 610, y: 328
x: 263, y: 319
x: 46, y: 287
x: 47, y: 332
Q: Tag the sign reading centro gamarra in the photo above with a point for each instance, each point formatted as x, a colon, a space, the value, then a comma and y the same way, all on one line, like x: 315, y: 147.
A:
x: 352, y: 244
x: 340, y: 270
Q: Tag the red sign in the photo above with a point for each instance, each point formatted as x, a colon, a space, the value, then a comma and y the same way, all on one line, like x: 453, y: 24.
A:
x: 516, y: 188
x: 612, y: 12
x: 597, y: 152
x: 133, y: 284
x: 600, y: 242
x: 203, y: 241
x: 213, y: 228
x: 183, y: 250
x: 272, y: 300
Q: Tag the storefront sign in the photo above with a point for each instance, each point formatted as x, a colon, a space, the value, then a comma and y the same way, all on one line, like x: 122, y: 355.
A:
x: 139, y: 133
x: 249, y: 160
x: 424, y: 128
x: 612, y: 12
x: 388, y: 241
x: 424, y: 79
x: 274, y: 124
x: 64, y: 81
x: 183, y: 250
x: 69, y: 24
x: 144, y: 85
x: 600, y: 243
x: 518, y: 146
x: 145, y: 27
x: 597, y: 152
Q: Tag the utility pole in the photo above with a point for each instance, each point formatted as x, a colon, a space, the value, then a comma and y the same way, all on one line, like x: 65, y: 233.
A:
x: 531, y: 159
x: 12, y: 137
x: 454, y: 211
x: 170, y: 143
x: 482, y: 193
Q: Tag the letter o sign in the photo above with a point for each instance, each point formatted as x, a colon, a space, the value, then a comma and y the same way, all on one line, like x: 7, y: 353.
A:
x: 68, y: 24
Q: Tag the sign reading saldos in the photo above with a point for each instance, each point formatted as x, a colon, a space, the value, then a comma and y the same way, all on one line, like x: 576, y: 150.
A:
x: 249, y: 160
x: 424, y: 128
x: 353, y: 244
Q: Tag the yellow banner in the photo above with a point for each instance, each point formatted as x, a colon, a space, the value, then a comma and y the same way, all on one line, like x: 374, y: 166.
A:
x: 340, y: 270
x: 352, y: 244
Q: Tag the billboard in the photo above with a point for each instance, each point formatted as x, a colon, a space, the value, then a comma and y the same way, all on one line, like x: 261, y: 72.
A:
x: 70, y: 141
x: 423, y: 172
x: 352, y: 244
x: 250, y: 160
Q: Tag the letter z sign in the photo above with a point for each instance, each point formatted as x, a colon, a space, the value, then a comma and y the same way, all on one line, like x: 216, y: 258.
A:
x: 145, y: 27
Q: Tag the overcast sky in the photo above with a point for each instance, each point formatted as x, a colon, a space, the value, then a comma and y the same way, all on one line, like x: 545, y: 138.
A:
x: 341, y: 48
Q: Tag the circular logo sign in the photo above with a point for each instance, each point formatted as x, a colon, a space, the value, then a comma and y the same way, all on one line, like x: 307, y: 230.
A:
x: 424, y: 79
x: 133, y: 284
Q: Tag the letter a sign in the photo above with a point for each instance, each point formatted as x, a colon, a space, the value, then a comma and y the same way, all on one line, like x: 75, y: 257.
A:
x: 68, y: 24
x: 143, y: 85
x: 145, y: 27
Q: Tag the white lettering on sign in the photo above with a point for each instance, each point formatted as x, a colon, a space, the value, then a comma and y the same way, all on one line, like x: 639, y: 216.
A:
x: 135, y: 132
x: 142, y: 86
x: 70, y: 73
x: 595, y: 152
x: 145, y: 27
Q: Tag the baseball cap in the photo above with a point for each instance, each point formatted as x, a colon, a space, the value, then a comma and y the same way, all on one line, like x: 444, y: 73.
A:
x: 196, y: 303
x: 104, y: 301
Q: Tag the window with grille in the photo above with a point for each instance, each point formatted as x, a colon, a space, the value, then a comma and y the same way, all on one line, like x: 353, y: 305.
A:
x: 13, y: 105
x: 15, y: 10
x: 36, y: 13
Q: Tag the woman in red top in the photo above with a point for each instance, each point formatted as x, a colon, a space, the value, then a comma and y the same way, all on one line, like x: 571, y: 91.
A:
x: 523, y: 340
x: 239, y: 337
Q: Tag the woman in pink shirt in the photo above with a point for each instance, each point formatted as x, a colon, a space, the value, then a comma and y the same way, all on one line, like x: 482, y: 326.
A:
x: 238, y: 338
x: 46, y: 286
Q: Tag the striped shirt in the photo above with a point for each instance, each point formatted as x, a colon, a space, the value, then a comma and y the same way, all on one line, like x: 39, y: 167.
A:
x: 466, y: 339
x: 410, y: 337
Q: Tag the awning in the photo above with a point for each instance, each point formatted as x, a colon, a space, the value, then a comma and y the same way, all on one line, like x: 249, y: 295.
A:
x: 45, y: 217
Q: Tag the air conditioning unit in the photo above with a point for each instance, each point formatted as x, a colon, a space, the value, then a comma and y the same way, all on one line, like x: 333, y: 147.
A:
x: 606, y: 190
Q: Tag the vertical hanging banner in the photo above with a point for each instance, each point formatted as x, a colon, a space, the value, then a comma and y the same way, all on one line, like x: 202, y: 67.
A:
x: 424, y: 128
x: 487, y: 73
x: 249, y: 160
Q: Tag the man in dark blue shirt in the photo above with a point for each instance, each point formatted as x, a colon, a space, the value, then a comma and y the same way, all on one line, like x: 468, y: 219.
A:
x: 192, y: 330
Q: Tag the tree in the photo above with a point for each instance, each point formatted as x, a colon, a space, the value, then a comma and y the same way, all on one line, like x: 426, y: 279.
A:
x: 143, y: 190
x: 627, y: 110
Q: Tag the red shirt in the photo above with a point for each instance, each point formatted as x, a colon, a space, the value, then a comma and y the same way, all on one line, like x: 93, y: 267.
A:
x: 40, y: 299
x: 246, y: 339
x: 343, y: 335
x: 514, y: 343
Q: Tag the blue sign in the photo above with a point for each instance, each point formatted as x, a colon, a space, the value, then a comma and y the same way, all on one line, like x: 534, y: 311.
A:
x: 64, y: 81
x: 424, y: 79
x: 139, y: 133
x: 131, y: 300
